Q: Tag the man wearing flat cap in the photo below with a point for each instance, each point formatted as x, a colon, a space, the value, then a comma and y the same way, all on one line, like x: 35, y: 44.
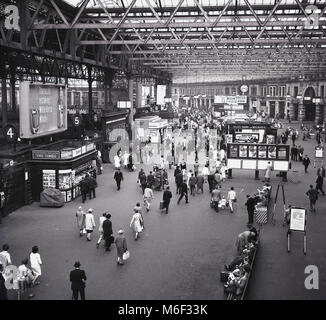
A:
x: 78, y: 278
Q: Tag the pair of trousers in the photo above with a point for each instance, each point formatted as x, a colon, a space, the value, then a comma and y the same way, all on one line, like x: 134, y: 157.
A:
x: 200, y: 188
x: 251, y: 216
x: 192, y: 190
x: 84, y: 196
x: 166, y: 206
x: 91, y: 192
x: 231, y: 205
x: 318, y: 187
x: 118, y: 184
x: 184, y: 194
x: 107, y: 242
x: 80, y: 291
x: 312, y: 205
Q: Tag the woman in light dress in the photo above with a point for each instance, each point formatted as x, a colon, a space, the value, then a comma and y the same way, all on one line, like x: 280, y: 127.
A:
x: 116, y: 161
x: 125, y: 159
x: 36, y: 263
x: 224, y: 168
x: 137, y: 223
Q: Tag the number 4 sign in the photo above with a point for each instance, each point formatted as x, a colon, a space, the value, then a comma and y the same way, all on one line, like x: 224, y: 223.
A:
x: 10, y: 133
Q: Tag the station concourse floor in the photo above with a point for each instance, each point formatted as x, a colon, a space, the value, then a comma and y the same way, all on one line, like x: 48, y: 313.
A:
x: 179, y: 256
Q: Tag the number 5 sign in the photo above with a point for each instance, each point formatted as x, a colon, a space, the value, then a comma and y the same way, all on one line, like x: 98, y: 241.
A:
x: 10, y: 133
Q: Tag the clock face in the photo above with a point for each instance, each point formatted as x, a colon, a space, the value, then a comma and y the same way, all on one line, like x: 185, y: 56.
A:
x: 244, y: 88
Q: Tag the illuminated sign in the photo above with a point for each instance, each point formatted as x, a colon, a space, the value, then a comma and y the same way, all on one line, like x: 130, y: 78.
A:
x: 42, y: 109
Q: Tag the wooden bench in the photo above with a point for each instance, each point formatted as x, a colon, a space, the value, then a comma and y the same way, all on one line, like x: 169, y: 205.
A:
x: 232, y: 296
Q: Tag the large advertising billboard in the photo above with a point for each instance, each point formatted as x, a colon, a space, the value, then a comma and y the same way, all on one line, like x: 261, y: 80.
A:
x: 42, y: 109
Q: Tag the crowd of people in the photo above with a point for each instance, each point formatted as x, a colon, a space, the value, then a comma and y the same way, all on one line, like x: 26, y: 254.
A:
x: 27, y: 274
x: 190, y: 178
x: 236, y: 274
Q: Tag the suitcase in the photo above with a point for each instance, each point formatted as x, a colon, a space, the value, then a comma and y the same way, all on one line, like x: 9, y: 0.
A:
x: 161, y: 205
x: 224, y: 276
x: 261, y: 215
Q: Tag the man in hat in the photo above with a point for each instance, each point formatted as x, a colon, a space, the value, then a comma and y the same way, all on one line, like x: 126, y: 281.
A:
x: 89, y: 223
x: 77, y: 279
x: 107, y: 232
x: 80, y: 215
x: 118, y: 177
x: 250, y: 204
x: 167, y: 195
x: 184, y: 192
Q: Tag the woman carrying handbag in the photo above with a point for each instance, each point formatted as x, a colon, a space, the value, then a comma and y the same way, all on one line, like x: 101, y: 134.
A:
x: 121, y: 245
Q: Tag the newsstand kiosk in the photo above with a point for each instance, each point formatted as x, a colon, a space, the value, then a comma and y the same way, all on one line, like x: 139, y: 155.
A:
x: 62, y: 165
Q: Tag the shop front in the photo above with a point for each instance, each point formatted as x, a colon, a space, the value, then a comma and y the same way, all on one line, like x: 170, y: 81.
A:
x: 13, y: 185
x: 62, y: 165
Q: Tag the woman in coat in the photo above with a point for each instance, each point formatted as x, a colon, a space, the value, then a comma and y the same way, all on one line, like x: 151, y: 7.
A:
x: 80, y: 215
x: 136, y: 223
x: 89, y: 223
x: 121, y: 244
x: 36, y: 263
x: 268, y: 172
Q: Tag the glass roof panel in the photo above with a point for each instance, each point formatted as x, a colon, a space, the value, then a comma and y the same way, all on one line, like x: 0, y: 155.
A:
x: 174, y: 3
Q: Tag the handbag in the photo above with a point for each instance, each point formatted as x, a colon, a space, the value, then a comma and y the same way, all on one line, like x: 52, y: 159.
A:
x: 235, y: 200
x: 126, y: 255
x: 112, y: 239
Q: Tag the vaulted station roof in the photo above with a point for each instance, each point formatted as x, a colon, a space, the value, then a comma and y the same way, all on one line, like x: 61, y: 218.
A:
x: 199, y: 40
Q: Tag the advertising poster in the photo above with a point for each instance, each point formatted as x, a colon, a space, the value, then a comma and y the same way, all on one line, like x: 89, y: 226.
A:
x: 281, y: 153
x: 262, y: 152
x: 272, y: 152
x: 42, y: 109
x: 270, y: 139
x: 247, y: 137
x: 298, y: 219
x: 243, y: 151
x: 252, y: 151
x: 228, y: 138
x: 233, y: 152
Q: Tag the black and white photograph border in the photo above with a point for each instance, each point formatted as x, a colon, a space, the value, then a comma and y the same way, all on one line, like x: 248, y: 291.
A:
x: 129, y: 170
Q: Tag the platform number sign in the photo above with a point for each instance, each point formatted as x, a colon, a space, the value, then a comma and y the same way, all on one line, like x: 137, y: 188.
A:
x: 77, y: 121
x: 10, y: 133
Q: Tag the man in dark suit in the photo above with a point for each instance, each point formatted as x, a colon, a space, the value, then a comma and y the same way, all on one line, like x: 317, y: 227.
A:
x: 107, y: 232
x: 78, y: 278
x: 150, y: 180
x: 167, y: 195
x: 84, y: 188
x: 92, y: 184
x: 184, y: 191
x: 179, y: 180
x: 250, y: 204
x: 118, y: 177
